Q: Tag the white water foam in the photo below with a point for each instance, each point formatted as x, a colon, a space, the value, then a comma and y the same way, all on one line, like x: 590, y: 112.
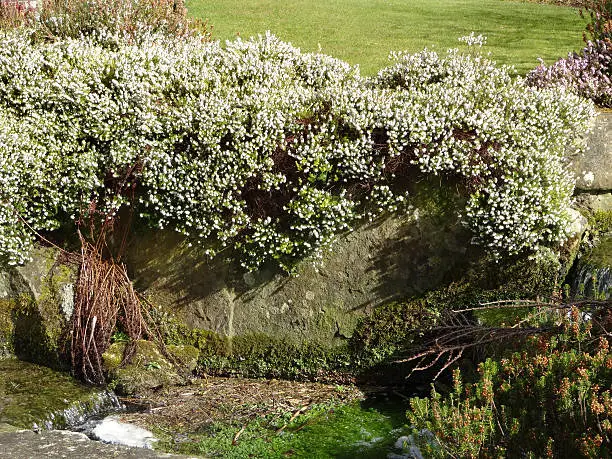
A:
x: 111, y: 430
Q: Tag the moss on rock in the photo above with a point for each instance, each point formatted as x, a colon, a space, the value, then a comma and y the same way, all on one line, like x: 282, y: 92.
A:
x: 36, y: 303
x: 33, y: 394
x: 149, y: 368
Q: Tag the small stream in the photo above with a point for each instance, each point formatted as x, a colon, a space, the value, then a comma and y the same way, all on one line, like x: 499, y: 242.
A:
x: 36, y: 397
x: 592, y: 275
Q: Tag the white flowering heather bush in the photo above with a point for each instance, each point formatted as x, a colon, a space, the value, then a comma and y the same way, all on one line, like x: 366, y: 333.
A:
x: 267, y: 150
x: 586, y: 73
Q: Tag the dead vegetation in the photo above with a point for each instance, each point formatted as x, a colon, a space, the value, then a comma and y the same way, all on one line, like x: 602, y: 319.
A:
x: 230, y: 400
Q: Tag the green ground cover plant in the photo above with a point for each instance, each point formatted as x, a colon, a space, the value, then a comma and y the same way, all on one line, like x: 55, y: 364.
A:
x: 325, y: 431
x: 365, y: 31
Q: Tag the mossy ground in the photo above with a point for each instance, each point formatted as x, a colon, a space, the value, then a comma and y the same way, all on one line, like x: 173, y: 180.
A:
x: 238, y: 418
x: 150, y: 367
x: 329, y: 431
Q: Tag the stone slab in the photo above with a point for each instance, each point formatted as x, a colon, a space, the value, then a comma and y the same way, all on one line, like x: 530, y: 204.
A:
x: 52, y: 444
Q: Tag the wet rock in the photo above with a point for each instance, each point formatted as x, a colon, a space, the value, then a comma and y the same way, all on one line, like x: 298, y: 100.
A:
x: 593, y: 272
x: 65, y: 444
x: 36, y: 396
x: 36, y: 301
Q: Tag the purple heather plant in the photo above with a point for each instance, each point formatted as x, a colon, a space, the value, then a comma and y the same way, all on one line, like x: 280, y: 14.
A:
x: 586, y: 73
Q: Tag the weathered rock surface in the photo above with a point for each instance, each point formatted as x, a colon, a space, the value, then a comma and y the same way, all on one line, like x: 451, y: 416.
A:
x: 36, y: 301
x: 595, y: 202
x: 149, y: 368
x: 396, y: 257
x: 593, y: 167
x: 27, y: 444
x: 36, y: 396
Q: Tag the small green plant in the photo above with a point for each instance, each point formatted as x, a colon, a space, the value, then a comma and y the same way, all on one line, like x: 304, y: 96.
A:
x: 119, y: 337
x: 153, y: 366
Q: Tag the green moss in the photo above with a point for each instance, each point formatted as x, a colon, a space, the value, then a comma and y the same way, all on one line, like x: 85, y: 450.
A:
x: 601, y: 255
x: 148, y: 368
x: 113, y: 356
x: 184, y: 355
x: 257, y: 355
x: 389, y: 329
x: 40, y: 336
x: 7, y: 327
x: 395, y: 327
x: 325, y: 431
x: 600, y: 221
x: 32, y: 394
x: 35, y: 327
x: 263, y: 356
x: 438, y: 198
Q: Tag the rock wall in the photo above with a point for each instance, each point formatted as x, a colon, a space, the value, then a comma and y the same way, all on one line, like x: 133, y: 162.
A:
x: 592, y: 273
x: 400, y: 256
x: 396, y: 257
x: 36, y: 301
x: 593, y: 167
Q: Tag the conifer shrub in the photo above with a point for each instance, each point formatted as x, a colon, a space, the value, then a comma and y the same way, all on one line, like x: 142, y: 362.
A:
x: 270, y: 152
x: 549, y: 397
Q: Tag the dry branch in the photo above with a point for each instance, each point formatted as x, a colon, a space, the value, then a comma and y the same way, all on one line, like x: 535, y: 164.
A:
x: 458, y: 332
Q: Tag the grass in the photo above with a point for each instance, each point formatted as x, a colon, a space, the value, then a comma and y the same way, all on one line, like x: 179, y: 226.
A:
x: 364, y: 31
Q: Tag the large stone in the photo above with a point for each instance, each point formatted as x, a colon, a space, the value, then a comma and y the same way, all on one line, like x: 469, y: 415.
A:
x: 593, y: 167
x: 595, y: 202
x: 36, y: 396
x: 36, y: 302
x: 396, y: 257
x: 148, y: 368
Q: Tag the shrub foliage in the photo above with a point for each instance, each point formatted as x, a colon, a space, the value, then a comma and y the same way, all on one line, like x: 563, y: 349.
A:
x: 551, y: 398
x: 265, y: 149
x: 78, y: 18
x: 586, y: 73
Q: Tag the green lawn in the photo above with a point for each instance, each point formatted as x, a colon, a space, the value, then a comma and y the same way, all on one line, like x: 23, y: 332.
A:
x: 364, y: 31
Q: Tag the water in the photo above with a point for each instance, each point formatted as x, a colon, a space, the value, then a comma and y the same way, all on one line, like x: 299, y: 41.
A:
x: 593, y: 274
x: 110, y: 429
x: 591, y: 282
